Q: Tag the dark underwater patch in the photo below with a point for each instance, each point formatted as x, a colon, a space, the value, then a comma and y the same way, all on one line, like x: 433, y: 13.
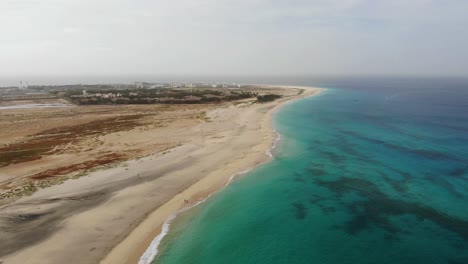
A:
x: 344, y: 146
x: 384, y: 124
x: 317, y: 142
x: 327, y: 209
x: 335, y: 158
x: 315, y: 199
x: 357, y: 224
x: 376, y: 209
x: 300, y: 211
x: 441, y: 182
x: 459, y: 244
x: 299, y: 179
x: 425, y: 153
x: 397, y: 185
x: 429, y: 154
x: 316, y: 171
x: 404, y: 174
x: 458, y: 172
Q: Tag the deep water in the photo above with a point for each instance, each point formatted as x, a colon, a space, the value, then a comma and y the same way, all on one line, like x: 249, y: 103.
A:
x: 376, y: 173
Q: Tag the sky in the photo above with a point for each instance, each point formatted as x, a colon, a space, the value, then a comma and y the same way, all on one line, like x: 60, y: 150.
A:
x: 233, y: 37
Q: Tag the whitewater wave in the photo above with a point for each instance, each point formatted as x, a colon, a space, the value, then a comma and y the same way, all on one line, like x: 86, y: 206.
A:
x: 275, y: 142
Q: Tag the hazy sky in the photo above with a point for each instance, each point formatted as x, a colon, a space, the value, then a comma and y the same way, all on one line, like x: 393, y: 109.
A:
x: 235, y: 37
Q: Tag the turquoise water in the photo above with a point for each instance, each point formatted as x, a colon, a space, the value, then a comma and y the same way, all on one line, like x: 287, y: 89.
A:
x: 359, y: 176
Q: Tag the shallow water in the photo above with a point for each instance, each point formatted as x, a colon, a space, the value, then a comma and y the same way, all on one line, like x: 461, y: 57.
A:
x: 360, y: 175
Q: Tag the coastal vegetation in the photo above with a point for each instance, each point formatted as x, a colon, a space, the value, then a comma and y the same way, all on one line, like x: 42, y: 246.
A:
x: 155, y: 96
x: 267, y: 98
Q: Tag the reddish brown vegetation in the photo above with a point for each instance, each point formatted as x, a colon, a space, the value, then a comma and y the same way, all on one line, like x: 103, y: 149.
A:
x: 103, y: 160
x: 49, y: 141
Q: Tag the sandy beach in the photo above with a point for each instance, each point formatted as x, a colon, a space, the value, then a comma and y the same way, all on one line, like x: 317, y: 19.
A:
x: 111, y: 215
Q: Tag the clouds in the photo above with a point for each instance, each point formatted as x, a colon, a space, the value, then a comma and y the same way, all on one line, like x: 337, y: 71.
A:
x: 233, y: 37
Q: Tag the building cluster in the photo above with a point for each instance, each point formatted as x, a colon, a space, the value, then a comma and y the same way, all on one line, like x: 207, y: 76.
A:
x: 23, y: 85
x: 204, y: 85
x: 98, y: 95
x: 94, y: 92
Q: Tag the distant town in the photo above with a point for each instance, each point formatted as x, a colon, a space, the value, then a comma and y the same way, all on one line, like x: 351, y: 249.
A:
x: 133, y: 93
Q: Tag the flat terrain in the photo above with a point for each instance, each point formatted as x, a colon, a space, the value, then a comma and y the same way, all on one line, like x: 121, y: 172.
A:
x: 41, y: 147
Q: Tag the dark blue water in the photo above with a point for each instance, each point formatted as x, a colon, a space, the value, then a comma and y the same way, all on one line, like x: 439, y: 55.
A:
x: 375, y: 171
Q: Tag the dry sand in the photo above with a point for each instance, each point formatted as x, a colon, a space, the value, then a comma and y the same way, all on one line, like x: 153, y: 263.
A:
x: 112, y: 215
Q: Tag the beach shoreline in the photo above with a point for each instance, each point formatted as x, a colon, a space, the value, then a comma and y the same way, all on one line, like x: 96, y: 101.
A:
x: 142, y: 248
x: 112, y: 215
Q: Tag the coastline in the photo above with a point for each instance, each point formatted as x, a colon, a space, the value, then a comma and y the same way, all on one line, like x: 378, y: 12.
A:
x: 142, y: 244
x: 111, y: 215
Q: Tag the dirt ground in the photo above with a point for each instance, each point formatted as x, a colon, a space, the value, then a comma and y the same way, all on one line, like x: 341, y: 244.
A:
x: 44, y: 146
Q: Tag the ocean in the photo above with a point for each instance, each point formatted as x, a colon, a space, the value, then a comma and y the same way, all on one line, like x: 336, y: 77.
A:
x: 370, y: 171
